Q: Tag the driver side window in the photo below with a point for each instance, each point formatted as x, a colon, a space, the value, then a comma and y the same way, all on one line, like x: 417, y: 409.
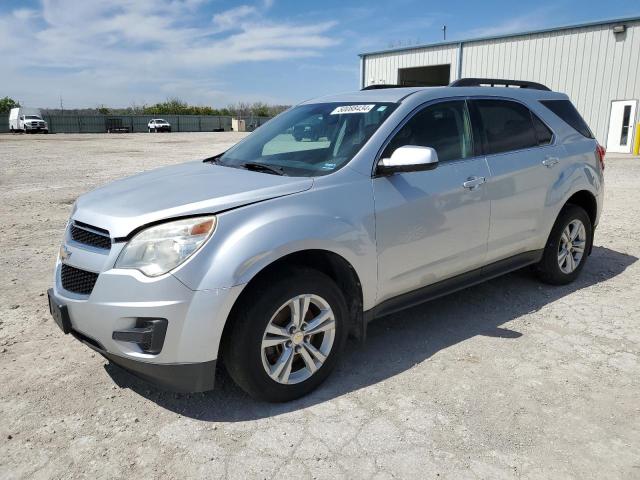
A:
x: 444, y: 126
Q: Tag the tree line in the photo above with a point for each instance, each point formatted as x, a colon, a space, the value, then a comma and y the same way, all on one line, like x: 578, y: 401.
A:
x: 172, y: 106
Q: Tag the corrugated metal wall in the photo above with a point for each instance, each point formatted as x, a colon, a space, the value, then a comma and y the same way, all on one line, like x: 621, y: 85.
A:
x: 383, y: 68
x: 590, y: 64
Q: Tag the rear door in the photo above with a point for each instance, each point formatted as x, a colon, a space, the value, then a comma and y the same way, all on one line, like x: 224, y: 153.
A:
x: 432, y: 225
x: 522, y: 157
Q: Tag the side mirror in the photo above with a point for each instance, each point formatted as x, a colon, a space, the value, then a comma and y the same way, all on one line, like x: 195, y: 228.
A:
x: 410, y: 158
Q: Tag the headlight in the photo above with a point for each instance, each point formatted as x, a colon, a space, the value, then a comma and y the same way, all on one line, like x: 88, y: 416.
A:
x: 163, y: 247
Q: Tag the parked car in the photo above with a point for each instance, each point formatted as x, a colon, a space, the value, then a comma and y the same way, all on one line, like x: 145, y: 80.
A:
x: 270, y: 254
x: 159, y: 125
x: 27, y: 120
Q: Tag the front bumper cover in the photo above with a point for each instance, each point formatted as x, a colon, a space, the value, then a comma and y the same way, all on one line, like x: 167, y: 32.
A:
x: 177, y: 377
x: 123, y: 302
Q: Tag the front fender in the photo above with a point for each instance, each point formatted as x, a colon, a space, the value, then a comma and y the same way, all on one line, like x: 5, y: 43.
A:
x: 335, y: 217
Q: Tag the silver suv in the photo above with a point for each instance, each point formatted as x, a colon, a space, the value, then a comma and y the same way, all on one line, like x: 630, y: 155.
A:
x: 269, y: 255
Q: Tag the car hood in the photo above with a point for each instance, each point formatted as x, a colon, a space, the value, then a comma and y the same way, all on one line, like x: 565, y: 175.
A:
x: 187, y: 189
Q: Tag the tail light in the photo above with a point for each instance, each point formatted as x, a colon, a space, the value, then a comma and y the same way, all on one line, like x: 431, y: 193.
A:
x: 600, y: 152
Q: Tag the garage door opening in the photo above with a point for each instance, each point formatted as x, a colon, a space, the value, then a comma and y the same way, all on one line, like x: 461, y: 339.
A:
x: 431, y: 76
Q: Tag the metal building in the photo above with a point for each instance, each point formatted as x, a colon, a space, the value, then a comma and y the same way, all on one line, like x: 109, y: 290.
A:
x: 597, y: 64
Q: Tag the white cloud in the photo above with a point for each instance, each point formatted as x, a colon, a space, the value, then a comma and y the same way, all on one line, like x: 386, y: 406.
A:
x: 122, y: 51
x: 230, y: 18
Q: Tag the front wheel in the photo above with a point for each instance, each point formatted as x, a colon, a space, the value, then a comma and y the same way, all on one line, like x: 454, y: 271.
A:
x: 286, y: 335
x: 567, y: 248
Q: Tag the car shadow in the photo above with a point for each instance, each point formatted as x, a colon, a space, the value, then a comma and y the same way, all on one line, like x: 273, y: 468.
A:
x: 395, y: 343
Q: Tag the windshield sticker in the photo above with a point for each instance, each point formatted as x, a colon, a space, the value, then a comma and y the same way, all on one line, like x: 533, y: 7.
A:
x: 328, y: 166
x: 352, y: 109
x: 382, y: 108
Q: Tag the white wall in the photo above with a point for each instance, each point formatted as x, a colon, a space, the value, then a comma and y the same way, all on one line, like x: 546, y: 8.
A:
x: 383, y: 68
x: 590, y: 64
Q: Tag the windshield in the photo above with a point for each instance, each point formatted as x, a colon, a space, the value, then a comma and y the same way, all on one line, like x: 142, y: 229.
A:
x: 32, y: 117
x: 310, y: 140
x: 160, y: 121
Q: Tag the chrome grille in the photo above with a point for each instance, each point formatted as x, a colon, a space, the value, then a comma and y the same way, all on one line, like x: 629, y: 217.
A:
x: 92, y: 236
x: 76, y: 280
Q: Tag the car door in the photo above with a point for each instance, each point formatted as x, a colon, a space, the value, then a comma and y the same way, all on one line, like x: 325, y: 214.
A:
x: 429, y: 225
x: 522, y: 159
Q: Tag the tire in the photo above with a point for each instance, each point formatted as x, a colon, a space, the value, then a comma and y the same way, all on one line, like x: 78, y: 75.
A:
x: 556, y: 269
x: 269, y: 303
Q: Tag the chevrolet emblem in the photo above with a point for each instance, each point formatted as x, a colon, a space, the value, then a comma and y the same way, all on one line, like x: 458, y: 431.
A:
x: 65, y: 253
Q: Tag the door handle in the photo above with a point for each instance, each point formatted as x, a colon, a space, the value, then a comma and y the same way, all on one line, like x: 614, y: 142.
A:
x: 473, y: 182
x: 550, y: 161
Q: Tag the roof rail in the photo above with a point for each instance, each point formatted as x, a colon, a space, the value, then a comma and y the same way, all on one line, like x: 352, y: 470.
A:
x: 380, y: 86
x: 493, y: 82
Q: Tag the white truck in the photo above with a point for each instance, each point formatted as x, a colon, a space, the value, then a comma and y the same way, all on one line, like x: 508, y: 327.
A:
x: 27, y: 120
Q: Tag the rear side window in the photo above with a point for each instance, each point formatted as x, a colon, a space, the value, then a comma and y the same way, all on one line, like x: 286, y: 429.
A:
x: 543, y: 133
x: 567, y: 112
x: 505, y: 126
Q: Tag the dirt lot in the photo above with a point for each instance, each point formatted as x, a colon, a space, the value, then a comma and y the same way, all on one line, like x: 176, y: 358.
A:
x: 510, y: 379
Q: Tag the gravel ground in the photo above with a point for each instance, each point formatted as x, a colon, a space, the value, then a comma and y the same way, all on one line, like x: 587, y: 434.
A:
x: 509, y: 379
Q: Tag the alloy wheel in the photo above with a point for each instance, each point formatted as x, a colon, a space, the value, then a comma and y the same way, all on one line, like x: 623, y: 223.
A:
x: 298, y: 339
x: 571, y: 248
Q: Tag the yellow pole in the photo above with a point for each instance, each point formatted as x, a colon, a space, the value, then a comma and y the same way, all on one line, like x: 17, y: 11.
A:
x: 636, y: 146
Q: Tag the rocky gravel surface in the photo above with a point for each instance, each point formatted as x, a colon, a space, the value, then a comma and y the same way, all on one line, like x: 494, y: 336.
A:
x: 510, y: 379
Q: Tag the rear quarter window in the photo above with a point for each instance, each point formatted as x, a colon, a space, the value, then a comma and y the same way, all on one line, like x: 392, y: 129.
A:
x: 568, y: 113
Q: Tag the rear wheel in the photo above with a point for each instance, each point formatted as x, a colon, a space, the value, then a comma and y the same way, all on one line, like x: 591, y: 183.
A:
x: 567, y: 248
x: 287, y: 335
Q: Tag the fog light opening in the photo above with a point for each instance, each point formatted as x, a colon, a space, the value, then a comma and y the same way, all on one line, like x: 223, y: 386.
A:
x: 148, y: 334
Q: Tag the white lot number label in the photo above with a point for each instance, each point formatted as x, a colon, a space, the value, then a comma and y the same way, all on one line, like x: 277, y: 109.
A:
x: 352, y: 109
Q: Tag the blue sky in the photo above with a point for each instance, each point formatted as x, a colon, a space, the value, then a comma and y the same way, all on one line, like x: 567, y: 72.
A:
x: 214, y: 52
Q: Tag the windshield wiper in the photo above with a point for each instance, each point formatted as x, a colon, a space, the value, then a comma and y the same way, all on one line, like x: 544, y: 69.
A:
x: 215, y: 159
x: 261, y: 167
